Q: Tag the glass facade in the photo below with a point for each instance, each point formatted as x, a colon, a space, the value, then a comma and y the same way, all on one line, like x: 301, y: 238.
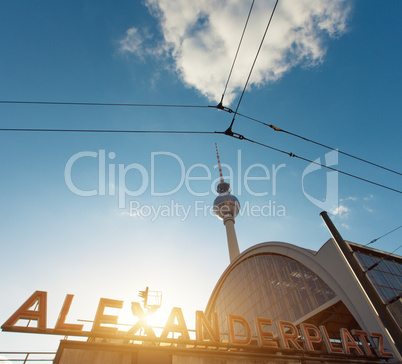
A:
x: 385, y: 273
x: 271, y: 286
x: 386, y: 276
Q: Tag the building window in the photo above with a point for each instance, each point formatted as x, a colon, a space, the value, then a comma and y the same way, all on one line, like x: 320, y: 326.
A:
x: 385, y: 276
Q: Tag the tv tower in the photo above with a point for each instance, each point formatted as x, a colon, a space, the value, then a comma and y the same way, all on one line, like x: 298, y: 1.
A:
x: 226, y: 207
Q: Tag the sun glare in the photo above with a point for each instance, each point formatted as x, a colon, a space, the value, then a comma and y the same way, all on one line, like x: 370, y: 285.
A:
x: 155, y: 318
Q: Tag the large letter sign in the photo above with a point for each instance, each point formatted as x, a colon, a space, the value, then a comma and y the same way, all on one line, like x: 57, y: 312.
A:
x: 304, y: 338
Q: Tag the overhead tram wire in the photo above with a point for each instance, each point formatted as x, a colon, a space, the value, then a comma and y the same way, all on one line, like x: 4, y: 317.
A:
x: 320, y: 144
x: 229, y: 131
x: 99, y: 104
x: 237, y: 52
x: 389, y: 232
x: 106, y: 131
x: 189, y: 106
x: 290, y: 154
x: 252, y: 67
x: 199, y: 106
x: 382, y: 259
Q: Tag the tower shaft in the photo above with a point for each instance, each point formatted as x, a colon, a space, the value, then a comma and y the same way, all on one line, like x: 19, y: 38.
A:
x: 233, y: 245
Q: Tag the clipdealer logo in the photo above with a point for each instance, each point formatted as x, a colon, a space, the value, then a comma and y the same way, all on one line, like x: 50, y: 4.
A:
x: 113, y: 179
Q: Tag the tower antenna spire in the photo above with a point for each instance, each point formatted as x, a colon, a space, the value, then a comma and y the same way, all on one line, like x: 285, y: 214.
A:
x: 219, y: 162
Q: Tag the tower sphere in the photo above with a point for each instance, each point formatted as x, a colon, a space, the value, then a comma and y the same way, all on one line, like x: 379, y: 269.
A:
x: 226, y: 204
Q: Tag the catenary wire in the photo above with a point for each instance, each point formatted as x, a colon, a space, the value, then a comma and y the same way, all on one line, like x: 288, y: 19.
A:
x: 382, y: 259
x: 107, y: 131
x: 320, y: 144
x: 198, y: 106
x: 237, y: 52
x: 241, y: 137
x: 374, y: 240
x: 400, y: 246
x: 255, y: 60
x: 99, y: 104
x: 190, y: 106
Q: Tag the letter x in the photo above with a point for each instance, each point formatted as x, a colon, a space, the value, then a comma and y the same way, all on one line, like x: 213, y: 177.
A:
x: 141, y: 323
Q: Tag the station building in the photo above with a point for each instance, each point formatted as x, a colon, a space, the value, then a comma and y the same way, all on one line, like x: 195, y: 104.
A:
x: 274, y: 303
x: 284, y: 283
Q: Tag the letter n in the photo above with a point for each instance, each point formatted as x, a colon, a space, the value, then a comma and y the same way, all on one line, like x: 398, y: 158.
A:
x: 26, y: 313
x: 202, y: 323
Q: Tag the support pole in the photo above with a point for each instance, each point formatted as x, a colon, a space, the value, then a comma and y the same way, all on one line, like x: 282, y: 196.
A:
x: 385, y: 316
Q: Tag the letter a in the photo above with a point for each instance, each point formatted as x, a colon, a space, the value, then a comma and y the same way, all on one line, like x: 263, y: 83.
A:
x: 24, y: 312
x: 170, y: 326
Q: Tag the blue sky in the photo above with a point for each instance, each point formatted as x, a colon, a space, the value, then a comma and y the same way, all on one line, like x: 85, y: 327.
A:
x: 330, y: 72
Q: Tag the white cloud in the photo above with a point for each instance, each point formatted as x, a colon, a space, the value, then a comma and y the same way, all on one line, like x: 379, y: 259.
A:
x: 368, y: 209
x: 202, y: 37
x: 132, y: 42
x: 350, y: 198
x: 346, y: 226
x: 135, y: 42
x: 341, y: 211
x: 370, y: 197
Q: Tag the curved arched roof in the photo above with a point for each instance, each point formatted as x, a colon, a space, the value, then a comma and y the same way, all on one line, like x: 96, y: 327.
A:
x: 326, y: 263
x: 305, y: 256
